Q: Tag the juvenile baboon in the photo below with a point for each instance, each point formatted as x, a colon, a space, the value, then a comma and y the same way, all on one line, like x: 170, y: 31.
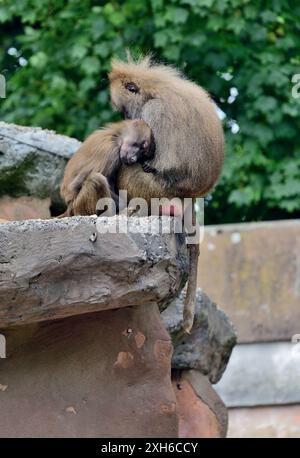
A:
x: 91, y: 172
x: 188, y: 137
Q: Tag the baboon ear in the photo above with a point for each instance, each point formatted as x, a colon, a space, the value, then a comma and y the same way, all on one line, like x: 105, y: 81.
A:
x: 132, y: 87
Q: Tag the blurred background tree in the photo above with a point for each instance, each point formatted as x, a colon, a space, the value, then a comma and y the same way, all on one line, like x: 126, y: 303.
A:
x: 55, y: 56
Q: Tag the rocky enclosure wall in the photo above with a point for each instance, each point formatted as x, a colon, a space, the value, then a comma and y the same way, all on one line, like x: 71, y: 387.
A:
x: 87, y: 351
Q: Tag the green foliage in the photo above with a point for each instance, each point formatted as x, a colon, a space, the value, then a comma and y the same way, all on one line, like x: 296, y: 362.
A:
x: 249, y: 45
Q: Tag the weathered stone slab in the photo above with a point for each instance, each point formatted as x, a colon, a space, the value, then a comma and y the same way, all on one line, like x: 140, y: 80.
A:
x: 51, y: 269
x: 208, y: 347
x: 104, y: 374
x: 253, y: 272
x: 262, y: 374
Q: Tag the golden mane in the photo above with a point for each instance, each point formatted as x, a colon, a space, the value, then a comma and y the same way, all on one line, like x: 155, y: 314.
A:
x: 142, y: 68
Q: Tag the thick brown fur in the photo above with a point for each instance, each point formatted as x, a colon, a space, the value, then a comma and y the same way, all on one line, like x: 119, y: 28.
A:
x: 188, y: 136
x: 187, y: 131
x: 92, y: 170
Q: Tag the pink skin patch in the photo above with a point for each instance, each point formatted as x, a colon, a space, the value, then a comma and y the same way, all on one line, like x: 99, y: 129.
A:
x: 170, y: 210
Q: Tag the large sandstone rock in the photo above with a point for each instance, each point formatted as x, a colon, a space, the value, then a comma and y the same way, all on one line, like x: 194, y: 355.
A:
x: 201, y: 411
x: 87, y: 353
x: 104, y: 374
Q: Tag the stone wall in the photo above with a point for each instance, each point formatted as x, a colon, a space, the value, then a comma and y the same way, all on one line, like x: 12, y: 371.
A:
x: 254, y: 269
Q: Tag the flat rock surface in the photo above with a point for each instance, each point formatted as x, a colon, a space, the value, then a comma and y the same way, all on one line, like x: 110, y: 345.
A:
x: 52, y: 269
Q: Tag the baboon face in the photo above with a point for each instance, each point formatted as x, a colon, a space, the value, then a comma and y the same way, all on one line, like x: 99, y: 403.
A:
x: 134, y: 83
x: 136, y: 143
x: 127, y: 90
x: 127, y: 97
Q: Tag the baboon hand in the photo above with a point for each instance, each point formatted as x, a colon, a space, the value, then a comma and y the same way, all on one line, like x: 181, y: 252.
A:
x: 148, y: 168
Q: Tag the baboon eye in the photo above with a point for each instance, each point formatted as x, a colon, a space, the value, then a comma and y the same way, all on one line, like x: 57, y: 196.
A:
x: 132, y: 87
